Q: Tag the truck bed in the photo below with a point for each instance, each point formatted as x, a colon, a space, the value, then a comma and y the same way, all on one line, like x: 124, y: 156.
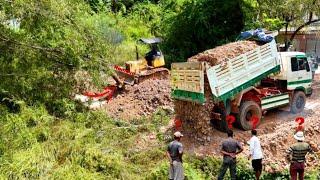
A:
x: 225, y: 80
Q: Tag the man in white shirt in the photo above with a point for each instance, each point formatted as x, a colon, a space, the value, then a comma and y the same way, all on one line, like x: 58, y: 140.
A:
x: 256, y: 154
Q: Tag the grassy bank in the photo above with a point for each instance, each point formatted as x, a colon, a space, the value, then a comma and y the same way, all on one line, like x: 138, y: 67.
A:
x: 90, y: 145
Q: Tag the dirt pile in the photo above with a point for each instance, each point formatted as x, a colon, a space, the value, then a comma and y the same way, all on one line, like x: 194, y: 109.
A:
x: 141, y: 99
x: 221, y: 54
x: 196, y: 117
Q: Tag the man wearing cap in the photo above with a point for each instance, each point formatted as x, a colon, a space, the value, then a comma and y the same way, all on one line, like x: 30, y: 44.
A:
x: 230, y: 148
x: 296, y: 154
x: 174, y: 153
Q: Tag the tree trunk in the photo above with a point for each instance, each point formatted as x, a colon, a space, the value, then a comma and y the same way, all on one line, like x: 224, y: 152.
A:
x: 286, y: 45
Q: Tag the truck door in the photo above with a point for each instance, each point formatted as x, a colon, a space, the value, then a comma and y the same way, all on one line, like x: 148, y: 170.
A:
x: 300, y: 75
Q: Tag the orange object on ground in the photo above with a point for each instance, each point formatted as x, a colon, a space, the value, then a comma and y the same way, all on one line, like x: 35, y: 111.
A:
x: 255, y: 121
x: 230, y: 120
x: 106, y: 93
x: 177, y: 123
x: 300, y: 121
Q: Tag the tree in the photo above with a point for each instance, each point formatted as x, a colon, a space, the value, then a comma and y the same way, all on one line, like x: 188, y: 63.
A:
x: 293, y: 13
x: 56, y: 39
x: 200, y: 25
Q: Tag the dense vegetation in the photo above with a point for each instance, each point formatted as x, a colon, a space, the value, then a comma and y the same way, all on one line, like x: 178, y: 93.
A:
x: 44, y: 44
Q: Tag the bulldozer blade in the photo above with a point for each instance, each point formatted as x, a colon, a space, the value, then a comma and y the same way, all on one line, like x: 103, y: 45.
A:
x: 129, y: 80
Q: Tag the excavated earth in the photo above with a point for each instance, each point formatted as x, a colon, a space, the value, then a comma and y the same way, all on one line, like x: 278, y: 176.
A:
x: 141, y: 100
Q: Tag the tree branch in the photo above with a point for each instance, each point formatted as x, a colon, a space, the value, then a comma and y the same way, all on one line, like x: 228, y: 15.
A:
x: 302, y: 26
x: 297, y: 30
x: 50, y: 50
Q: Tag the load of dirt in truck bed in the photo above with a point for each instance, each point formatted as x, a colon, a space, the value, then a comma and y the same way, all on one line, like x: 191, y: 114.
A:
x: 222, y: 53
x: 141, y: 99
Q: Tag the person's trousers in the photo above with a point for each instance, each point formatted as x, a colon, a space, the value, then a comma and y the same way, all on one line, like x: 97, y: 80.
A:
x: 176, y: 171
x: 297, y: 168
x: 231, y: 164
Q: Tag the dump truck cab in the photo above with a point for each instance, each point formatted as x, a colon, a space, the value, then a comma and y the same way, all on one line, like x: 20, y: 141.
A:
x: 295, y: 72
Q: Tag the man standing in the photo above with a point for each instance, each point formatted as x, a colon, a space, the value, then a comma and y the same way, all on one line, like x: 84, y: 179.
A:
x: 174, y: 153
x: 230, y: 148
x: 256, y: 154
x: 296, y: 154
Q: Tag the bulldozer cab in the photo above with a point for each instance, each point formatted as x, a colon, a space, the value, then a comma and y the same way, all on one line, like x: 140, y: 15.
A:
x: 154, y: 57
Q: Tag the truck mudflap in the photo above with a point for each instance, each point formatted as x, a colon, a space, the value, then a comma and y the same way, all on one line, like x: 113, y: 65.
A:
x: 273, y: 101
x: 187, y: 81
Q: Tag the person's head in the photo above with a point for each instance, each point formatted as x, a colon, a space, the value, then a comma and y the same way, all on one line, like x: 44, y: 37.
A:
x: 299, y: 136
x: 254, y: 132
x: 177, y: 135
x: 230, y: 133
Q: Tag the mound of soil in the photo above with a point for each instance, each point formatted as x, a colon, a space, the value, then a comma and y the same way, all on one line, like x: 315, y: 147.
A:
x: 141, y: 99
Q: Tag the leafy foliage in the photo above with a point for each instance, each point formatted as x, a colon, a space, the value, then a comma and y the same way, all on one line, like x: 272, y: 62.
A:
x: 202, y: 24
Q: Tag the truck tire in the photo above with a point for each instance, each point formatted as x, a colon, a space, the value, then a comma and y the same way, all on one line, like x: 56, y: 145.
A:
x: 298, y: 102
x: 248, y: 109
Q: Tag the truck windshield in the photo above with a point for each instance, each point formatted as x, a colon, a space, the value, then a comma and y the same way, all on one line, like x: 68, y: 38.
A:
x: 299, y: 64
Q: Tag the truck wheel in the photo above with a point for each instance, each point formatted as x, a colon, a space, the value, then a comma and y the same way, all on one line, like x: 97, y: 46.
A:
x: 298, y: 102
x: 248, y: 110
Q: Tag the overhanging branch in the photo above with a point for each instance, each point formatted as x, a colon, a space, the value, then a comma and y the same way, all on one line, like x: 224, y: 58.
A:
x: 302, y: 26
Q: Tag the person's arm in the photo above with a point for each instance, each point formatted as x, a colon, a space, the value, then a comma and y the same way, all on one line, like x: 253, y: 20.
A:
x: 251, y: 148
x: 180, y: 150
x: 169, y: 157
x: 240, y: 148
x: 168, y: 154
x: 289, y: 154
x: 228, y: 154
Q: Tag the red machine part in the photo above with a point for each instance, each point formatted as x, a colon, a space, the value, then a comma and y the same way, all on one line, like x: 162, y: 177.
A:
x: 106, y: 93
x: 256, y: 96
x: 252, y: 96
x: 123, y: 70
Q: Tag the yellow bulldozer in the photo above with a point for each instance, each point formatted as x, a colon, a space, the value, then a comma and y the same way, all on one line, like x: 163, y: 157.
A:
x: 149, y: 66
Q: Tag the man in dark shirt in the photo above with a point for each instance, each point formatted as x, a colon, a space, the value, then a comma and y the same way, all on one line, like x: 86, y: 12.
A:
x: 230, y: 148
x: 296, y: 154
x: 174, y: 153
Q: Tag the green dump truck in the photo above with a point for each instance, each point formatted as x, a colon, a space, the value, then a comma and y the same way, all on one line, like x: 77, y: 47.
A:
x: 247, y: 85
